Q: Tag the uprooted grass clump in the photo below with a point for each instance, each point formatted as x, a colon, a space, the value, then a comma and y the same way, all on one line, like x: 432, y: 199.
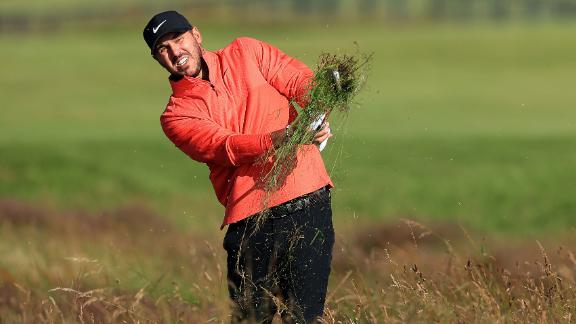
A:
x: 337, y: 81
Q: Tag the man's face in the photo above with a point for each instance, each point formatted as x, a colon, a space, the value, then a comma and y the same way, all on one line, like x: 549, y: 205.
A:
x: 180, y: 53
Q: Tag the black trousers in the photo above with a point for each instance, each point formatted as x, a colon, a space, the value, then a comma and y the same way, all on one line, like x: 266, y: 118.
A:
x: 283, y: 264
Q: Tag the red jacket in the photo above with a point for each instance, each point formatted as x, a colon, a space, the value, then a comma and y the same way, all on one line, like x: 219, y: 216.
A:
x: 226, y: 123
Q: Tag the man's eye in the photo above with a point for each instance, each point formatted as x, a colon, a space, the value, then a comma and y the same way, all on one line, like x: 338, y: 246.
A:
x: 161, y: 50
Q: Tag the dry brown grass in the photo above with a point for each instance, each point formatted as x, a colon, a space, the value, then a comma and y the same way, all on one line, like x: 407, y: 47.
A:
x: 80, y: 267
x: 408, y: 272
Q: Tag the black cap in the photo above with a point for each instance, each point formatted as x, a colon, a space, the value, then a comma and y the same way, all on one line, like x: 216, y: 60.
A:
x: 162, y: 24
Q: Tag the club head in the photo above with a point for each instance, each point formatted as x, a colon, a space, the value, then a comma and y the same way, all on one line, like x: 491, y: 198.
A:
x: 336, y: 76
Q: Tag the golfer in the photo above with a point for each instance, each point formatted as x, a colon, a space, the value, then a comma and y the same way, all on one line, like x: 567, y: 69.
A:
x: 228, y: 108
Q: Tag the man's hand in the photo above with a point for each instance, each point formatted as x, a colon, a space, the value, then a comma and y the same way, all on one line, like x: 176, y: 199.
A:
x: 320, y: 136
x: 318, y: 125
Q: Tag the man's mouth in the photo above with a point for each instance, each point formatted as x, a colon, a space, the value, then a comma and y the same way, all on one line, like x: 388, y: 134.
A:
x: 181, y: 61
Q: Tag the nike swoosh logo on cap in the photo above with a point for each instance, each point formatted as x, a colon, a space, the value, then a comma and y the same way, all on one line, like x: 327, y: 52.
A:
x: 155, y: 29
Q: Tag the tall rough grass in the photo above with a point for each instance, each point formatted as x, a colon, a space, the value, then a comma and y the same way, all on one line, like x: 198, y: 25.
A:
x: 439, y: 282
x: 129, y: 266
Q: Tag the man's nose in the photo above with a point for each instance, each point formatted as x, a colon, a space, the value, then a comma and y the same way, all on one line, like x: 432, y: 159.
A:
x: 174, y: 49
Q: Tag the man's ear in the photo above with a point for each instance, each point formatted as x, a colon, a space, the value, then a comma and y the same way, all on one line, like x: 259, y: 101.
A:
x: 196, y: 33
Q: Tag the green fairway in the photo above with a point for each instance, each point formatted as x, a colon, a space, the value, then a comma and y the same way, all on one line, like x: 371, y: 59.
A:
x: 472, y: 123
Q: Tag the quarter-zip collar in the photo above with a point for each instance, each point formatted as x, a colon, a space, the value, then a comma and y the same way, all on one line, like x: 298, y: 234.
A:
x: 182, y: 86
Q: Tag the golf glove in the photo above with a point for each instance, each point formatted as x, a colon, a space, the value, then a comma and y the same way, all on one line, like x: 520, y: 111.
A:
x: 316, y: 126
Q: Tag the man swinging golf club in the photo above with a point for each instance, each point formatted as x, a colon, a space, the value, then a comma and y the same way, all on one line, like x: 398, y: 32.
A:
x: 228, y: 108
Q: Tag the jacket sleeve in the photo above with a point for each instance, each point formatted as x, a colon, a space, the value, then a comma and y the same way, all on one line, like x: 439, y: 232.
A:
x: 205, y: 141
x: 288, y: 75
